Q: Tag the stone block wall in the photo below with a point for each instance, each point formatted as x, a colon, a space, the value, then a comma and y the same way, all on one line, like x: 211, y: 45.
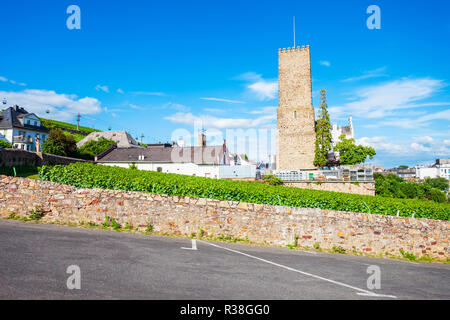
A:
x: 363, y: 188
x: 18, y: 157
x: 295, y: 113
x: 265, y: 224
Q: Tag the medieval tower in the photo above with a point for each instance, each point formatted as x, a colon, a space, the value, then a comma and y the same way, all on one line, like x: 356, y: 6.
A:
x: 295, y: 115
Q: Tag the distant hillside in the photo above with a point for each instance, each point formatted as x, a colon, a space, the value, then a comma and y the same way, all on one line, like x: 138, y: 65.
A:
x: 68, y: 128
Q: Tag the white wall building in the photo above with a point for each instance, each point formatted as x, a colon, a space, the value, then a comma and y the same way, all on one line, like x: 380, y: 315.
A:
x: 21, y: 129
x: 337, y: 131
x: 441, y: 169
x: 201, y: 161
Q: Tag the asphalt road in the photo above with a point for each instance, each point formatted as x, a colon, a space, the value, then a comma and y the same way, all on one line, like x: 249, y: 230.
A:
x: 34, y: 259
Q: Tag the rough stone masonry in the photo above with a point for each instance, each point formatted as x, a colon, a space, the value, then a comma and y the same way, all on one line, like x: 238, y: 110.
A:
x: 265, y: 224
x: 295, y: 114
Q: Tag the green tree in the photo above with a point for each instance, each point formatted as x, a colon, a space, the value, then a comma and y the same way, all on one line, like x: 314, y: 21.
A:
x: 59, y: 144
x: 350, y: 153
x: 93, y: 148
x: 438, y: 183
x: 323, y: 133
x: 5, y: 144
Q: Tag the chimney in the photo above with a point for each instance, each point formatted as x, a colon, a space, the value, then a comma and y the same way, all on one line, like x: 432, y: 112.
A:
x: 201, y: 139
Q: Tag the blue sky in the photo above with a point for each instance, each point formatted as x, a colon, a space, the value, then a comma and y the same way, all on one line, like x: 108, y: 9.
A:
x: 152, y: 67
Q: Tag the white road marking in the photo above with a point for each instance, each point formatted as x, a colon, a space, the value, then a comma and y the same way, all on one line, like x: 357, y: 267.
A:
x: 310, y: 252
x: 376, y: 295
x: 194, y: 245
x: 361, y: 291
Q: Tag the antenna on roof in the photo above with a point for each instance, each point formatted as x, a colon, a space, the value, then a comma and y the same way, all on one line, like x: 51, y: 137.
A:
x: 294, y: 32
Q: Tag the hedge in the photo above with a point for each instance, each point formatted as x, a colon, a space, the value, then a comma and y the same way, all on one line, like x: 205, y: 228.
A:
x: 86, y: 175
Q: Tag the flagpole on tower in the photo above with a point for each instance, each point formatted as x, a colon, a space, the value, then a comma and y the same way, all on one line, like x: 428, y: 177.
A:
x: 294, y: 32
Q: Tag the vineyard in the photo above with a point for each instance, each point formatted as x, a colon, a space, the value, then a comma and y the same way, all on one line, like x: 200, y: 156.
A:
x: 85, y: 175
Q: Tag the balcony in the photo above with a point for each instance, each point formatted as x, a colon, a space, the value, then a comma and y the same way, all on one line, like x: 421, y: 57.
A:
x: 22, y: 139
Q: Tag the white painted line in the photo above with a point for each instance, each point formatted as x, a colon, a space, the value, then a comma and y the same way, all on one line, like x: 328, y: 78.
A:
x: 194, y: 245
x: 310, y: 252
x: 365, y: 292
x: 376, y: 295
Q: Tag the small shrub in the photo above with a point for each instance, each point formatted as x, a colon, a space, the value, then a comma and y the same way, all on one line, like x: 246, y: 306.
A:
x: 408, y: 255
x: 128, y: 226
x: 316, y: 246
x: 149, y: 228
x: 338, y: 250
x: 36, y: 214
x: 272, y: 180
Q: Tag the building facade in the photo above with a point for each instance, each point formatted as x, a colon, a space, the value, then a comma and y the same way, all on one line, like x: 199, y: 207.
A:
x: 23, y: 130
x: 200, y: 161
x: 295, y: 115
x: 337, y: 131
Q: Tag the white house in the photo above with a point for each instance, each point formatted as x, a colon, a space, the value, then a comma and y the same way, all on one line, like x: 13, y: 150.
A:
x: 21, y: 129
x: 337, y: 131
x: 440, y: 169
x: 201, y: 161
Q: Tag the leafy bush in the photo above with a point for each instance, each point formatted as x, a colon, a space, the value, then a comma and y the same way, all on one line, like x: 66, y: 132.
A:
x: 5, y: 144
x: 87, y: 175
x: 393, y: 186
x: 438, y: 183
x: 272, y: 180
x: 59, y: 144
x: 93, y: 148
x: 437, y: 195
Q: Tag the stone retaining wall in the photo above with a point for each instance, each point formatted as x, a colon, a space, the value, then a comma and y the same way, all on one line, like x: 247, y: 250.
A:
x: 271, y: 225
x: 363, y: 188
x: 18, y: 157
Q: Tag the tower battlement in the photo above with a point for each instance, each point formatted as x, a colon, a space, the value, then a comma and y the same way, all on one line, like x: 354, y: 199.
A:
x: 293, y: 49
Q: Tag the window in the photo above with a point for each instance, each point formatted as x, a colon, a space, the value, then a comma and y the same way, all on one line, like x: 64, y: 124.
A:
x: 295, y: 114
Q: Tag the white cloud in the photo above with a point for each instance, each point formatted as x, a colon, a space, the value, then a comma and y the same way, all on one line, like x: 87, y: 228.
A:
x: 3, y: 79
x: 214, y: 110
x: 380, y: 72
x: 176, y: 106
x: 61, y: 106
x: 265, y: 110
x: 325, y: 63
x: 208, y: 121
x: 222, y: 100
x: 419, y: 121
x: 120, y: 91
x: 382, y: 100
x: 102, y: 88
x: 133, y: 106
x: 263, y: 89
x: 414, y: 147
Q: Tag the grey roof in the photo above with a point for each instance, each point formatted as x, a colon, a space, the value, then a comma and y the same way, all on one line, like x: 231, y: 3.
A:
x: 197, y: 155
x: 123, y: 139
x: 9, y: 118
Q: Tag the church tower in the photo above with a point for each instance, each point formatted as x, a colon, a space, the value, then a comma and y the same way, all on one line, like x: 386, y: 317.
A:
x: 295, y: 115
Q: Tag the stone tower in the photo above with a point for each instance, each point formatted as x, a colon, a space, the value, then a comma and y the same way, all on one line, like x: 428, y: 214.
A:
x: 295, y: 115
